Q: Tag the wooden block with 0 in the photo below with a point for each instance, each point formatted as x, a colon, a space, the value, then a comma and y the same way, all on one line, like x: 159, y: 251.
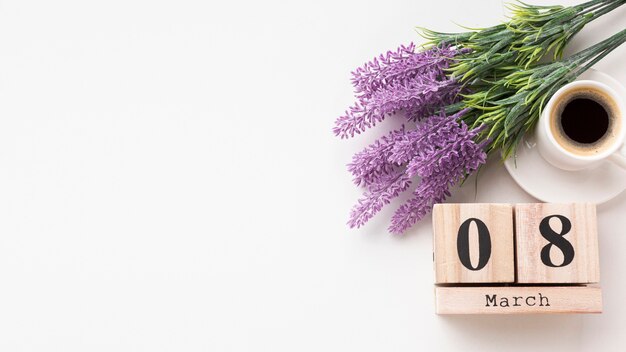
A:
x: 473, y: 243
x: 556, y: 243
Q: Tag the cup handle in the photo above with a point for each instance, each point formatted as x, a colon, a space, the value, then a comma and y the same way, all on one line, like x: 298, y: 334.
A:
x: 619, y: 157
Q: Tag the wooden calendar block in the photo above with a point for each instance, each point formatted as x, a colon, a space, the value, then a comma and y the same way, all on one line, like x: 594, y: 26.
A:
x: 556, y: 243
x: 473, y: 243
x: 518, y: 299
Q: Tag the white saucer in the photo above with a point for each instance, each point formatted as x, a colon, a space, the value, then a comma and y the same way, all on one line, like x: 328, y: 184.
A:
x: 550, y: 184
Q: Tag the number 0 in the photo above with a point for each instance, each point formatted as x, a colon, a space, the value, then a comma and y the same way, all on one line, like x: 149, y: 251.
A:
x: 484, y: 244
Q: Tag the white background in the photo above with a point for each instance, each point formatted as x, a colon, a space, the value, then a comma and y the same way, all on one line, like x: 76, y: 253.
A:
x: 169, y: 182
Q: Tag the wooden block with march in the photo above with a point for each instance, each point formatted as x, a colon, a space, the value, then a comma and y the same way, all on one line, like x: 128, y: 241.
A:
x: 518, y: 299
x: 473, y: 243
x: 556, y: 243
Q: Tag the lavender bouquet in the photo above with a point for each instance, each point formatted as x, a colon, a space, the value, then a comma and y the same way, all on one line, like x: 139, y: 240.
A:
x: 463, y: 95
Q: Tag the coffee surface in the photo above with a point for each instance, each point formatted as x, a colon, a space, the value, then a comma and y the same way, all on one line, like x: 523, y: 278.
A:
x: 584, y: 121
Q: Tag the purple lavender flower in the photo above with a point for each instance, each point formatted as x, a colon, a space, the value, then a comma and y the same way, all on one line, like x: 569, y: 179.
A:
x: 369, y: 165
x: 399, y: 147
x: 403, y: 80
x: 355, y: 120
x: 439, y: 168
x: 378, y: 195
x: 428, y: 134
x: 427, y: 193
x: 454, y: 140
x: 400, y: 66
x: 380, y: 71
x: 418, y: 98
x: 441, y: 151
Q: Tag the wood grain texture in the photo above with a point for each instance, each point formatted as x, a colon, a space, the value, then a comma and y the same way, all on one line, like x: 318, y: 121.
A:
x: 583, y: 236
x: 518, y: 299
x: 498, y: 218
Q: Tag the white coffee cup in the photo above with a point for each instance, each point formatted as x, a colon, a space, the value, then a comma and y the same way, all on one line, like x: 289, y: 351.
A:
x: 548, y: 138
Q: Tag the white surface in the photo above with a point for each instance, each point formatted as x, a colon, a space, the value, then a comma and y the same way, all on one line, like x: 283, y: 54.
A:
x: 169, y: 182
x: 542, y: 180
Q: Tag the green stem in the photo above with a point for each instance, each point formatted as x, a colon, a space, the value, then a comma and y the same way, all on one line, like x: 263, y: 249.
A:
x: 592, y: 6
x: 621, y: 38
x: 593, y: 50
x: 604, y: 9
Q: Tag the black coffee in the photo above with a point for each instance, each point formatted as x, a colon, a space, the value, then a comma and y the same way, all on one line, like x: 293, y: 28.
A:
x: 584, y: 120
